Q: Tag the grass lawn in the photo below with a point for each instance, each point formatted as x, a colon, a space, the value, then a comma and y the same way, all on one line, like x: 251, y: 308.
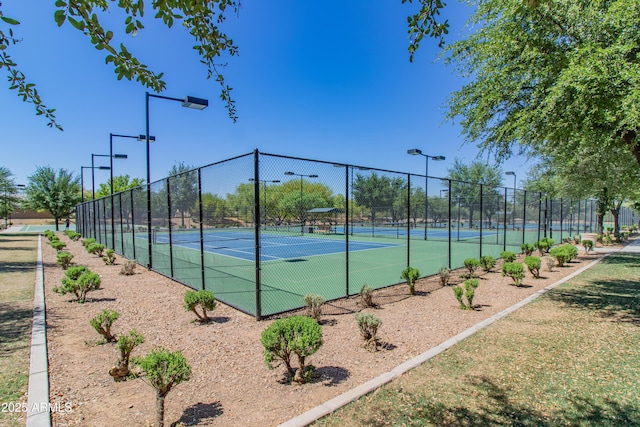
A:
x: 570, y: 358
x: 17, y: 278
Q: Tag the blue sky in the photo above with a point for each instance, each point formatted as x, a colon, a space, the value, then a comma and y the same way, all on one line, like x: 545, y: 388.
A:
x: 324, y: 80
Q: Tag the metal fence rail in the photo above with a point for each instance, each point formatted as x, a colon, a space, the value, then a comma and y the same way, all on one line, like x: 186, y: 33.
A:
x: 263, y: 230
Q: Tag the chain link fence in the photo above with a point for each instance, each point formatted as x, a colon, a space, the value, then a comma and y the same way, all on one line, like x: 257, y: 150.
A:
x: 262, y: 230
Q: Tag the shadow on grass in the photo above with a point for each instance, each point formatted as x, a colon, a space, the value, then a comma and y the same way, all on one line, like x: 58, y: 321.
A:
x: 17, y: 266
x: 14, y: 323
x: 494, y: 406
x: 195, y: 414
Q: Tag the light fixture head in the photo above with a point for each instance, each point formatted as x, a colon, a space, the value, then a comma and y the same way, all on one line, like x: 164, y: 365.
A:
x: 144, y: 138
x: 275, y: 181
x: 104, y: 168
x: 510, y: 173
x: 313, y: 176
x: 195, y: 103
x: 414, y: 151
x: 120, y: 156
x: 289, y: 173
x: 437, y: 158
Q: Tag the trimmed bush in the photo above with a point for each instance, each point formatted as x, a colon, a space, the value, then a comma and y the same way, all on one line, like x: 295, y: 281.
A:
x: 411, y: 274
x: 73, y: 235
x: 561, y: 255
x: 544, y: 245
x: 444, y: 274
x: 576, y: 239
x: 550, y: 262
x: 110, y: 257
x: 163, y: 371
x: 487, y: 262
x: 527, y: 249
x: 515, y: 270
x: 314, y: 306
x: 79, y: 281
x: 297, y: 335
x: 366, y: 296
x: 508, y: 256
x: 533, y: 263
x: 128, y: 268
x: 369, y: 325
x: 466, y: 290
x: 471, y: 264
x: 58, y: 245
x: 64, y: 259
x: 89, y: 240
x: 96, y: 249
x: 203, y: 299
x: 102, y: 323
x: 48, y: 234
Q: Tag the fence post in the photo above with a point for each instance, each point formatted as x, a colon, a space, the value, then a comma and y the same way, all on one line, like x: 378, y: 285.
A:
x: 346, y: 227
x: 256, y: 225
x: 170, y: 227
x: 449, y: 239
x: 504, y: 221
x: 200, y: 215
x: 408, y: 223
x: 481, y: 216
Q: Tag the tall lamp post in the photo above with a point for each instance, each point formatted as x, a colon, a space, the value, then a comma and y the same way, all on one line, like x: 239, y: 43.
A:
x: 82, y: 168
x: 514, y: 197
x: 111, y: 157
x: 416, y: 152
x: 93, y: 177
x: 265, y: 182
x: 187, y: 102
x: 289, y: 173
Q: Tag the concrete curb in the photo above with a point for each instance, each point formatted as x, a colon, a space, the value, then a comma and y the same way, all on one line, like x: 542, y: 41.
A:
x: 354, y: 394
x: 38, y: 414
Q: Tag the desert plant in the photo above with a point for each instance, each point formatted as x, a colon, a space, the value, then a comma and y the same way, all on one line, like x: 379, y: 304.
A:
x: 368, y: 325
x: 508, y: 256
x: 366, y: 296
x: 126, y: 343
x: 102, y: 323
x: 58, y: 245
x: 561, y: 255
x: 163, y: 370
x: 607, y: 240
x: 544, y: 245
x: 515, y: 270
x: 96, y: 249
x: 73, y: 235
x: 411, y: 274
x: 533, y: 263
x: 471, y: 264
x: 128, y: 268
x: 79, y: 281
x: 313, y: 304
x: 487, y: 262
x: 64, y: 259
x: 466, y: 290
x: 203, y: 299
x: 549, y: 261
x: 527, y: 248
x: 89, y: 240
x: 444, y: 274
x: 296, y: 335
x: 109, y: 257
x: 48, y: 234
x: 576, y: 239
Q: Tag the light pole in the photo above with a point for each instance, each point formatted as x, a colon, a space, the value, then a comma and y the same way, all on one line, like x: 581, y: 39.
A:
x: 188, y: 102
x: 416, y: 152
x: 82, y: 168
x: 111, y: 136
x: 514, y: 197
x: 265, y: 182
x: 289, y: 173
x: 93, y: 177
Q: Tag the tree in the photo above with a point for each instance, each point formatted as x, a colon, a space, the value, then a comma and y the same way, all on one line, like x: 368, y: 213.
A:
x: 120, y: 183
x: 55, y: 192
x: 378, y: 191
x: 550, y: 76
x: 465, y: 186
x: 183, y: 184
x: 9, y: 190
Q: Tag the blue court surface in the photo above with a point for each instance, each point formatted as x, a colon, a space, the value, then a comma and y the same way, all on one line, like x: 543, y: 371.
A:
x: 274, y: 247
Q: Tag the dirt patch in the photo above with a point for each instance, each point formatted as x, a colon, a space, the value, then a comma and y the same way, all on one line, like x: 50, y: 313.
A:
x: 230, y: 384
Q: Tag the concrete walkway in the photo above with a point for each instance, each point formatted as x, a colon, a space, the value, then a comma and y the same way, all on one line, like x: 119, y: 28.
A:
x: 354, y: 394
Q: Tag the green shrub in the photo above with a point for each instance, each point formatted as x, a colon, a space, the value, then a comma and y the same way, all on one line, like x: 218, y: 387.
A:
x: 607, y: 240
x: 508, y: 256
x: 96, y: 249
x: 128, y: 268
x: 466, y: 290
x: 562, y: 254
x: 550, y: 262
x: 444, y: 274
x: 110, y: 257
x: 58, y: 245
x: 79, y: 281
x: 203, y: 299
x: 533, y: 263
x: 487, y: 262
x: 369, y: 325
x: 64, y: 259
x: 576, y: 239
x: 102, y: 323
x: 73, y: 235
x: 126, y: 344
x: 471, y: 264
x: 411, y: 274
x: 313, y: 305
x: 89, y: 240
x: 527, y: 248
x: 297, y: 335
x: 48, y: 234
x: 366, y: 296
x: 163, y: 371
x: 515, y: 270
x: 544, y: 245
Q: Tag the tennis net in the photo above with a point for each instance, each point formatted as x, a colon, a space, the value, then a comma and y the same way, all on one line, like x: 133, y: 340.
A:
x: 192, y: 235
